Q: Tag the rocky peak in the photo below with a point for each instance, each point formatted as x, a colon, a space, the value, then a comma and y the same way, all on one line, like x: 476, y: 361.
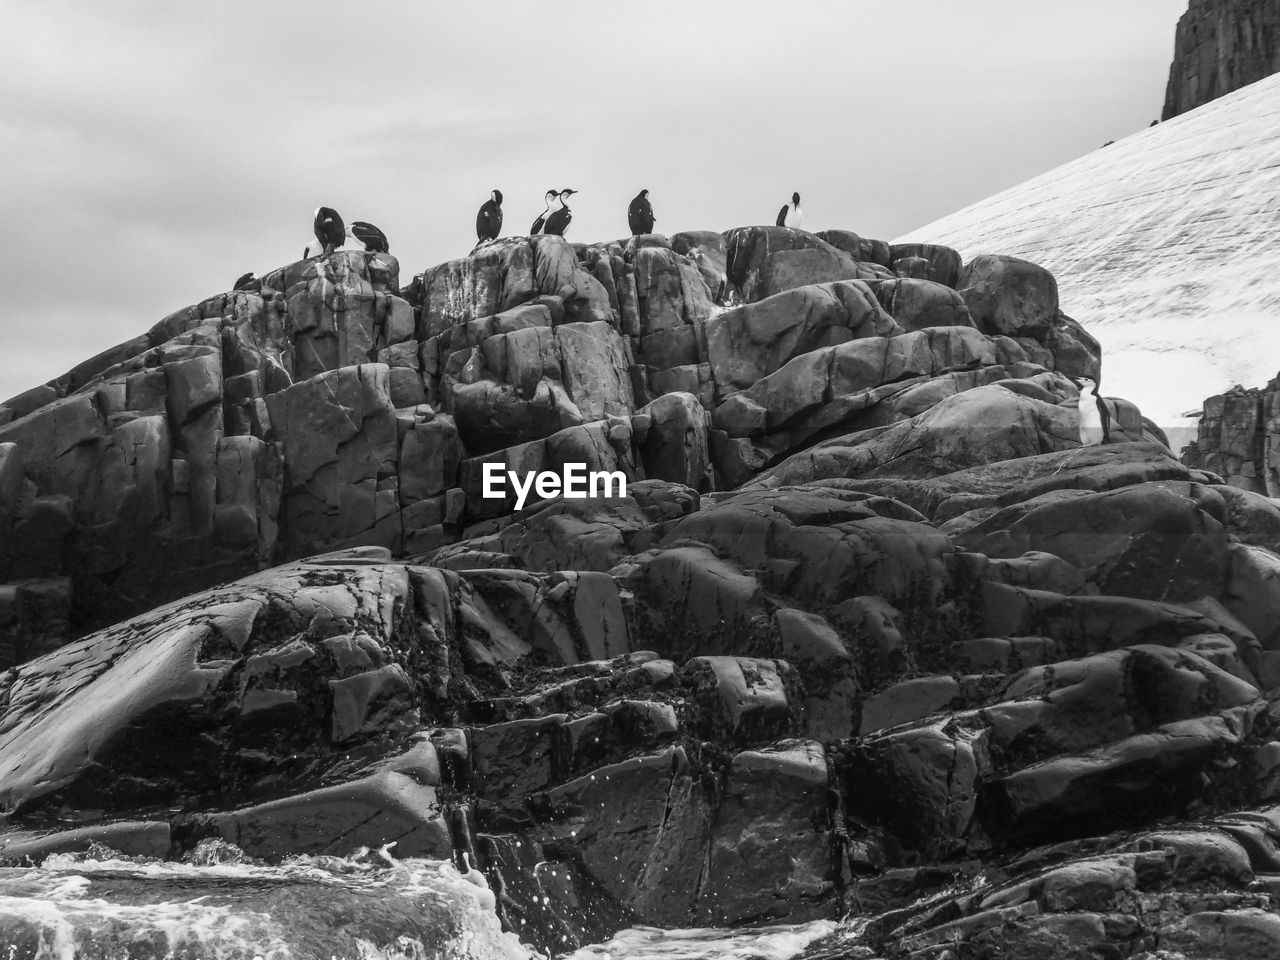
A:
x: 1221, y: 45
x: 869, y: 632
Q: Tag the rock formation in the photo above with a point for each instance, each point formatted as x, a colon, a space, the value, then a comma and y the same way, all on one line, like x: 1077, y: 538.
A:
x: 1221, y: 46
x: 1163, y: 245
x: 1239, y: 438
x: 870, y: 631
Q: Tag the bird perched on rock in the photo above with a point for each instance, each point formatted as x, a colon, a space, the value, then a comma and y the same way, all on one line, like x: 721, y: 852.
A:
x: 330, y: 231
x: 553, y: 202
x: 1095, y: 414
x: 558, y: 221
x: 791, y: 215
x: 489, y: 219
x: 248, y: 282
x: 373, y: 239
x: 640, y: 214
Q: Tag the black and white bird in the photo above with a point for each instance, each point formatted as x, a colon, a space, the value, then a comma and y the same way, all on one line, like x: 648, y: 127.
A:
x: 1095, y: 415
x: 553, y: 203
x: 489, y: 219
x: 558, y: 221
x: 330, y: 231
x: 791, y: 215
x: 369, y: 236
x: 640, y: 214
x: 248, y: 282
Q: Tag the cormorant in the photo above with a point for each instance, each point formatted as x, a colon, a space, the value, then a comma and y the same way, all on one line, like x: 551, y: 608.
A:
x: 640, y: 214
x: 248, y: 282
x: 558, y: 221
x: 330, y: 232
x: 553, y: 199
x: 374, y: 240
x: 489, y: 219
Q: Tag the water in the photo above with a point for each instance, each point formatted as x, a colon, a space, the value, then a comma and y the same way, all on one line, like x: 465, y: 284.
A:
x: 759, y: 943
x: 220, y: 906
x: 308, y: 908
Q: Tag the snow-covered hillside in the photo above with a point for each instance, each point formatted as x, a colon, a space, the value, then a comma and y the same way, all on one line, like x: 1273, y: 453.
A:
x: 1166, y: 245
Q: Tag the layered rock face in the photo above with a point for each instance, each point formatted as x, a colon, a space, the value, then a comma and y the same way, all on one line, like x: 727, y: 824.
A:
x: 869, y: 631
x: 1221, y: 46
x: 325, y: 410
x: 1239, y: 438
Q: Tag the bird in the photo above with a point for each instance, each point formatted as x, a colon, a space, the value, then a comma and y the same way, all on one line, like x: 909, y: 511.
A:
x: 640, y: 214
x: 552, y: 199
x: 489, y: 219
x: 373, y: 239
x: 248, y: 282
x: 558, y: 221
x: 330, y: 232
x: 791, y: 215
x: 1095, y: 416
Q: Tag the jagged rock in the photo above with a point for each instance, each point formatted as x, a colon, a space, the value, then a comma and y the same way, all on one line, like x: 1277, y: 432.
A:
x: 940, y: 264
x: 1220, y: 46
x: 856, y: 511
x: 770, y: 852
x: 761, y: 260
x: 675, y: 448
x: 916, y: 304
x: 752, y: 341
x: 1009, y: 296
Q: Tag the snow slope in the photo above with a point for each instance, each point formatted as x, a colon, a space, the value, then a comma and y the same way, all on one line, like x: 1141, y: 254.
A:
x: 1166, y: 246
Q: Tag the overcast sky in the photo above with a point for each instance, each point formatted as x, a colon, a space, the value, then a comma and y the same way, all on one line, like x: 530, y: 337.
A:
x: 154, y: 151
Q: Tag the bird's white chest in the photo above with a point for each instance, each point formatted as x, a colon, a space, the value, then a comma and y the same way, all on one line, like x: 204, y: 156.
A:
x: 1091, y: 432
x: 795, y: 216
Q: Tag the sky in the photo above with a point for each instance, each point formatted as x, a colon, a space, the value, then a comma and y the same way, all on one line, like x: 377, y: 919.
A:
x: 154, y: 151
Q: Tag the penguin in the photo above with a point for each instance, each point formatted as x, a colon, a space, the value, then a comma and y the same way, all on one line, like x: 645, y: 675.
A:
x: 640, y: 214
x: 558, y: 221
x: 373, y: 239
x: 791, y: 215
x: 553, y: 200
x: 248, y: 282
x: 330, y: 232
x: 489, y: 219
x: 1095, y: 417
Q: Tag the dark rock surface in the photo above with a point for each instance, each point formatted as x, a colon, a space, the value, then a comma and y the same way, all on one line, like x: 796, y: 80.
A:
x: 869, y: 631
x: 1238, y: 438
x: 1221, y: 45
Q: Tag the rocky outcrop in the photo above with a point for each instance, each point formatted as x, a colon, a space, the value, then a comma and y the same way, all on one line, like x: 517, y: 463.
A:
x: 868, y: 630
x: 324, y: 410
x: 1239, y: 438
x: 1221, y: 45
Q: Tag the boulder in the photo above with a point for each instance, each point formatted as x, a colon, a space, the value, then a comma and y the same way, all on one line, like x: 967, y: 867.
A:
x: 1009, y: 296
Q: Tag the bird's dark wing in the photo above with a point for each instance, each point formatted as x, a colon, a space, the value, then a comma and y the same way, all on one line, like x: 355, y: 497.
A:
x: 538, y: 225
x: 372, y: 238
x: 489, y: 221
x: 633, y: 217
x: 782, y: 216
x: 558, y: 222
x: 330, y: 230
